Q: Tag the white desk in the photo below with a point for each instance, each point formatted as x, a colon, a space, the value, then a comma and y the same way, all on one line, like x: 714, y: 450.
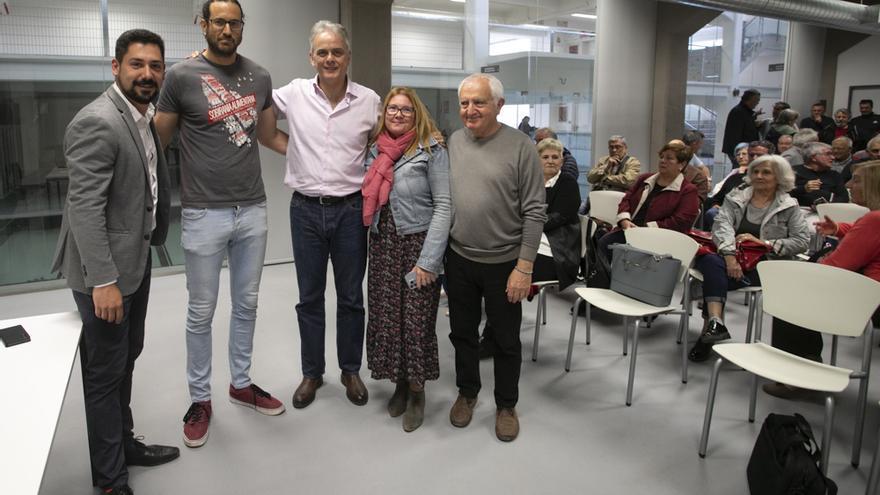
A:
x: 34, y: 378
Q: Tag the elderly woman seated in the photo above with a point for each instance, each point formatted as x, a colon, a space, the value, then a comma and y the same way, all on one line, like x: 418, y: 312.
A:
x: 663, y: 199
x: 762, y: 212
x: 559, y: 251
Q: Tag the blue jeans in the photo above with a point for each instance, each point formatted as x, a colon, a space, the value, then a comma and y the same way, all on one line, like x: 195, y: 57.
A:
x: 208, y: 235
x: 335, y: 232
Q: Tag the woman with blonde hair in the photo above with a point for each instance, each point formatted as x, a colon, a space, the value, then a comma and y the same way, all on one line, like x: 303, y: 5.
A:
x: 407, y: 207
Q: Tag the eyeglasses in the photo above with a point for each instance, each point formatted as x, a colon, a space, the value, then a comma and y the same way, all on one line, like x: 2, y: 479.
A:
x: 234, y: 24
x: 405, y: 111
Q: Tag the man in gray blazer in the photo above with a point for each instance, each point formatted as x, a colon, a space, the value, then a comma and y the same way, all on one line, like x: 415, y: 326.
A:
x: 117, y: 206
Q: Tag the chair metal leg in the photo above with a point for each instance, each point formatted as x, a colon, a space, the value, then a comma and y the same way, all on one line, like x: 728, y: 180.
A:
x: 542, y: 298
x: 684, y: 350
x: 625, y: 334
x: 710, y: 405
x: 874, y: 477
x: 753, y: 398
x: 752, y: 311
x: 863, y: 395
x: 759, y: 315
x: 632, y: 362
x: 826, y: 433
x: 589, y: 323
x: 574, y: 321
x: 833, y: 361
x: 537, y: 327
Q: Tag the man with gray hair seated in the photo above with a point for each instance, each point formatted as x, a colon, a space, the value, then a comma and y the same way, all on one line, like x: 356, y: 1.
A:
x: 841, y: 151
x: 815, y: 181
x: 569, y: 164
x: 795, y: 154
x: 616, y: 171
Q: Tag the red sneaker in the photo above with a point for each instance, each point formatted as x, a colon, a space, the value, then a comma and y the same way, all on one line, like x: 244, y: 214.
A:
x: 195, y: 424
x: 254, y: 397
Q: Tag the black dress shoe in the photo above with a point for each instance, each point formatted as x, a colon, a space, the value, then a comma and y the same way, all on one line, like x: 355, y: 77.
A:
x: 118, y: 490
x: 715, y: 332
x: 355, y: 389
x: 700, y: 352
x: 138, y: 454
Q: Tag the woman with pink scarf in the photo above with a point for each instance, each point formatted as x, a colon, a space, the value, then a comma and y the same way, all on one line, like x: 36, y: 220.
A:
x: 408, y: 210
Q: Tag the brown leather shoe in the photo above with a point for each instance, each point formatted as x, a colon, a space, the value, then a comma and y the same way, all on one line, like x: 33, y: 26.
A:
x: 506, y: 424
x: 305, y: 393
x: 462, y: 411
x: 355, y: 389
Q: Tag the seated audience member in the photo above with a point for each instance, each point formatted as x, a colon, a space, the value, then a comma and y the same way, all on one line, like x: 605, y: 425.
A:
x: 559, y: 252
x: 761, y: 212
x: 660, y: 200
x: 795, y: 154
x: 784, y: 125
x: 819, y: 122
x: 840, y: 128
x: 784, y: 143
x: 695, y: 175
x: 694, y: 141
x: 865, y: 126
x: 859, y: 251
x: 871, y: 152
x: 569, y: 164
x: 733, y: 179
x: 815, y: 179
x: 617, y: 171
x: 841, y: 151
x: 765, y: 124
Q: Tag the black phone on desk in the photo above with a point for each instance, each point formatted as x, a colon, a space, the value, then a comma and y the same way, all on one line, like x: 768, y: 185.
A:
x: 14, y: 335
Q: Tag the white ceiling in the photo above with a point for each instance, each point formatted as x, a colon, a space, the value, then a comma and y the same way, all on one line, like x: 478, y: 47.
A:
x: 514, y: 12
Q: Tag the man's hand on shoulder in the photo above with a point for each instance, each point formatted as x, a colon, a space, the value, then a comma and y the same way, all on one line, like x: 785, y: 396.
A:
x: 108, y: 303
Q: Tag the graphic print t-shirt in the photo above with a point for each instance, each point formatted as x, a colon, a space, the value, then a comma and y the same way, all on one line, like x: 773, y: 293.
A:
x: 218, y: 108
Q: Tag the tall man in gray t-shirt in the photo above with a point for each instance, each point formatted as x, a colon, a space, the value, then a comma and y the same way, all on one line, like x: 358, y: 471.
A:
x: 222, y: 103
x: 497, y: 191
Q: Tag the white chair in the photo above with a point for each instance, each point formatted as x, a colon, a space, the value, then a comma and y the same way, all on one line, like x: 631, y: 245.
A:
x: 842, y: 305
x: 663, y: 241
x: 841, y: 212
x: 541, y: 316
x: 603, y: 205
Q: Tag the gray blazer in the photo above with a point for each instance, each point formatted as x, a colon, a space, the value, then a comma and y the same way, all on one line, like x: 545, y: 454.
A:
x: 106, y: 227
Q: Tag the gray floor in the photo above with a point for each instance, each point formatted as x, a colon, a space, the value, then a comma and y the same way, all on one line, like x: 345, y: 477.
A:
x: 577, y: 435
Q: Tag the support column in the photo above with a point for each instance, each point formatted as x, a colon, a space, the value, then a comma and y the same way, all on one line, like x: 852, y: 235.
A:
x: 476, y: 34
x: 623, y: 75
x: 670, y: 70
x: 803, y: 67
x: 369, y: 25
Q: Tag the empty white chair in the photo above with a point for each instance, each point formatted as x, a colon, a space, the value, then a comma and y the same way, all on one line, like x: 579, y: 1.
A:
x: 661, y: 241
x: 842, y: 306
x: 603, y: 205
x: 841, y: 212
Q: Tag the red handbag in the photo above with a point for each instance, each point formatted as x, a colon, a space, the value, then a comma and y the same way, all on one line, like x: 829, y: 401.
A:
x: 748, y: 253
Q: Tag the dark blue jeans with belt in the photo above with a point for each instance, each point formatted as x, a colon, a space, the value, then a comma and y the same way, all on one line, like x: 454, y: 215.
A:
x: 320, y: 230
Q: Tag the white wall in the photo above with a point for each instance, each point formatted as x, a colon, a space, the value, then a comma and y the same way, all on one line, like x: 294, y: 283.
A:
x: 803, y: 66
x: 857, y: 67
x: 281, y: 45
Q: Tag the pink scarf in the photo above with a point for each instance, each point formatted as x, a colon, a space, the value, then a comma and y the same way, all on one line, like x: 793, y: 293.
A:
x: 380, y: 177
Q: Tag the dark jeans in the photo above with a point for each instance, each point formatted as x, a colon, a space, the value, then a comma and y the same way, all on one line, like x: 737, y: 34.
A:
x: 716, y: 283
x: 604, y: 251
x: 335, y: 232
x: 107, y: 354
x: 797, y: 340
x: 469, y: 283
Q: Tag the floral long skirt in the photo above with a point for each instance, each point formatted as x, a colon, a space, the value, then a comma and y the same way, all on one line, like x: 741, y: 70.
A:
x: 401, y: 330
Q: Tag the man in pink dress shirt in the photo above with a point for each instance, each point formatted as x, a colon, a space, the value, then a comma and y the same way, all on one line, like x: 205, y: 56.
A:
x: 330, y: 119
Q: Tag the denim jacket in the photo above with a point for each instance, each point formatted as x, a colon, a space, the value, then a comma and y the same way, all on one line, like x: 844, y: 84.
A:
x: 420, y: 201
